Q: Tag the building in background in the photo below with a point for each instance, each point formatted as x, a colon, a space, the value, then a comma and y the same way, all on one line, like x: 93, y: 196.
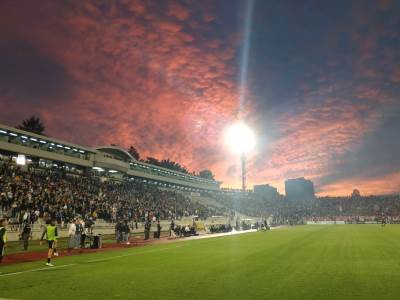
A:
x: 266, y: 191
x: 299, y: 189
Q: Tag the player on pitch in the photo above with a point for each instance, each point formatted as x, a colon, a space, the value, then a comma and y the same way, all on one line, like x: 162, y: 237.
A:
x: 51, y: 234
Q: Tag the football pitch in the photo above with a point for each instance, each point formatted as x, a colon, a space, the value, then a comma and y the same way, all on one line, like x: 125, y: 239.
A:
x: 304, y: 262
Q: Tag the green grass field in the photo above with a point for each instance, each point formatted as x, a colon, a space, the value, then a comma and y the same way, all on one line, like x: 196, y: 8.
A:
x: 308, y: 262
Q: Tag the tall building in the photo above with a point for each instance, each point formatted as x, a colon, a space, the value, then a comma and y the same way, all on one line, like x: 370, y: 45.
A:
x: 299, y: 189
x: 266, y: 191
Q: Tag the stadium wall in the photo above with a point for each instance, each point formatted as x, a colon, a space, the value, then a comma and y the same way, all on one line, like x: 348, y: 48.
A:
x: 326, y: 222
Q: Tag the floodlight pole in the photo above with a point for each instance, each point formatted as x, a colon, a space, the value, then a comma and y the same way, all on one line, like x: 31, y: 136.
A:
x: 243, y: 160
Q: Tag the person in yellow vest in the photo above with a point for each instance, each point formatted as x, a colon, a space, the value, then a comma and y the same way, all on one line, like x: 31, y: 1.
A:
x: 51, y: 234
x: 3, y: 237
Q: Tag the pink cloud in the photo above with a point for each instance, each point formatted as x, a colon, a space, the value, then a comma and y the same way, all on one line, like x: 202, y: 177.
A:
x: 178, y: 11
x: 150, y: 79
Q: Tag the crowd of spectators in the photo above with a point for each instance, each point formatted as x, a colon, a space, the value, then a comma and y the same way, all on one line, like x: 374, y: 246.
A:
x: 29, y: 195
x: 350, y: 209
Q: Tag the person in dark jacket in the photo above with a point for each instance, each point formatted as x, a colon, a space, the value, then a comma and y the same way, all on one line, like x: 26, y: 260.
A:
x: 25, y: 235
x: 172, y: 229
x: 147, y: 227
x: 158, y: 229
x: 3, y: 237
x: 78, y: 232
x: 125, y: 232
x: 118, y: 232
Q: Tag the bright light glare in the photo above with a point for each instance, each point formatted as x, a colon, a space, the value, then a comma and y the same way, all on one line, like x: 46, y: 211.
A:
x: 21, y: 160
x: 240, y: 138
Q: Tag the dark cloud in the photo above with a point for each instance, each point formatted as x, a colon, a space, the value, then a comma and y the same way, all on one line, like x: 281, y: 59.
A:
x: 376, y: 156
x: 30, y: 76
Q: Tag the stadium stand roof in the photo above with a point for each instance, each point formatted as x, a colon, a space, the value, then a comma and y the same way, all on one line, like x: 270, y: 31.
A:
x: 117, y: 152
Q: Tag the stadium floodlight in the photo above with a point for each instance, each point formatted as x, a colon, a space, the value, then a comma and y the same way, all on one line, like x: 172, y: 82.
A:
x: 21, y: 160
x: 242, y: 140
x: 98, y: 169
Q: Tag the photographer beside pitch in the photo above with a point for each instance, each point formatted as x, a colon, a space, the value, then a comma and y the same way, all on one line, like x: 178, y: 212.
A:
x: 51, y: 234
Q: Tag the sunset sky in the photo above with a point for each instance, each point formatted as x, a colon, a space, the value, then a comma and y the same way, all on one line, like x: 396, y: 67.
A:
x: 322, y: 90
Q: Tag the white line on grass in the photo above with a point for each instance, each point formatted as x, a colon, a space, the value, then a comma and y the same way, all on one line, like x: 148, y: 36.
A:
x: 104, y: 259
x: 38, y: 269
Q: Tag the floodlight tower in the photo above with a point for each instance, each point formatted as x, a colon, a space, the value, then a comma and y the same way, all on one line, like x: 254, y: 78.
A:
x: 241, y: 139
x: 243, y: 161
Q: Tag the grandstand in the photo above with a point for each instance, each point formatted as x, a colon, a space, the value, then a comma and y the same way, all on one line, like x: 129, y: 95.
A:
x: 106, y: 160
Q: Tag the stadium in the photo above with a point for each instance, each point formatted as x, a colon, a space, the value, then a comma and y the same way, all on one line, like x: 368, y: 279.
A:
x: 124, y: 225
x: 173, y: 149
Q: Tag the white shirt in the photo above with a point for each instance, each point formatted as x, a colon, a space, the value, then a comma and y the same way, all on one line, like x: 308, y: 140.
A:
x: 72, y: 229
